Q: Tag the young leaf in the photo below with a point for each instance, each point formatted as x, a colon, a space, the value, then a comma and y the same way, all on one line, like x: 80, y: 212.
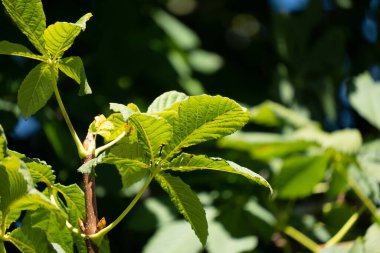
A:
x: 202, y: 118
x: 299, y: 175
x: 166, y: 100
x: 152, y: 133
x: 9, y: 48
x: 36, y: 89
x: 30, y: 18
x: 73, y: 68
x: 130, y: 161
x: 188, y: 162
x: 365, y: 99
x: 60, y: 36
x: 186, y: 202
x: 125, y: 110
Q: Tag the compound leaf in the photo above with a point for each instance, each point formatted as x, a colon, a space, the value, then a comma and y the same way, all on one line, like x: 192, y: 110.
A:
x: 30, y: 18
x: 36, y: 89
x: 187, y: 203
x: 73, y: 68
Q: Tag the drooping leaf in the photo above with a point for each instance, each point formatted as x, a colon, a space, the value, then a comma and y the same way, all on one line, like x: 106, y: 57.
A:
x: 30, y: 18
x: 40, y: 171
x: 365, y: 98
x: 299, y: 175
x: 36, y: 89
x: 130, y: 160
x: 202, y: 118
x: 188, y: 162
x: 74, y: 199
x: 73, y: 68
x: 166, y: 100
x: 9, y: 48
x: 54, y: 228
x: 152, y: 133
x: 60, y: 36
x: 186, y: 202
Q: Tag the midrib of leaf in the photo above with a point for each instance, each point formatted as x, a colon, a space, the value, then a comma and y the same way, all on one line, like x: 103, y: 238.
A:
x: 146, y: 138
x: 35, y: 88
x: 66, y: 38
x: 188, y: 135
x: 15, y: 14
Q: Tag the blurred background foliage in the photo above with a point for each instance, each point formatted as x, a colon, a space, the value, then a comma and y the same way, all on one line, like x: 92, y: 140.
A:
x: 302, y: 54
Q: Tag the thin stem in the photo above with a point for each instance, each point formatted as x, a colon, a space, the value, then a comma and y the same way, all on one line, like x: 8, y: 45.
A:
x: 81, y: 150
x: 345, y: 228
x: 301, y: 238
x: 2, y: 247
x: 109, y: 144
x: 99, y: 235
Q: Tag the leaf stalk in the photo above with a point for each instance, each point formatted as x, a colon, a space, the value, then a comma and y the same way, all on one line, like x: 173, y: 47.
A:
x: 302, y: 238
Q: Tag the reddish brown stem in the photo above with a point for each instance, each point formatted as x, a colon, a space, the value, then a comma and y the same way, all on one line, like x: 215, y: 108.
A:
x: 90, y: 197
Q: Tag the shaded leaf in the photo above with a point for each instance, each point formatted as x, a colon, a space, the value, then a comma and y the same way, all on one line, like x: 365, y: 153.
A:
x: 30, y: 18
x: 3, y: 144
x: 36, y: 89
x: 73, y: 68
x: 9, y: 48
x: 186, y: 202
x: 74, y: 199
x: 299, y: 175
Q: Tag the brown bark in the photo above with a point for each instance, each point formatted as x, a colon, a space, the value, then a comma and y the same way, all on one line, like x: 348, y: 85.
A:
x: 90, y: 197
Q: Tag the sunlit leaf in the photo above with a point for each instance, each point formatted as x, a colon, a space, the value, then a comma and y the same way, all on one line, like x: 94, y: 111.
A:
x: 74, y: 199
x: 30, y: 18
x: 9, y: 48
x: 365, y: 98
x: 202, y: 118
x: 186, y: 202
x: 60, y: 36
x: 166, y: 100
x: 40, y: 171
x: 188, y: 162
x: 36, y: 89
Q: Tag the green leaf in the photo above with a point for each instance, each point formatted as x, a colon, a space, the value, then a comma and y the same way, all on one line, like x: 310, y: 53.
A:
x: 40, y: 171
x: 60, y: 36
x: 365, y: 98
x: 152, y: 133
x: 30, y: 18
x: 36, y: 89
x: 9, y: 48
x: 186, y: 202
x: 299, y: 175
x: 125, y: 110
x: 110, y: 128
x: 74, y: 199
x: 12, y: 182
x: 166, y: 100
x: 28, y: 239
x: 3, y: 144
x: 130, y: 161
x: 73, y: 68
x: 188, y: 162
x: 202, y: 118
x: 89, y: 166
x: 54, y: 227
